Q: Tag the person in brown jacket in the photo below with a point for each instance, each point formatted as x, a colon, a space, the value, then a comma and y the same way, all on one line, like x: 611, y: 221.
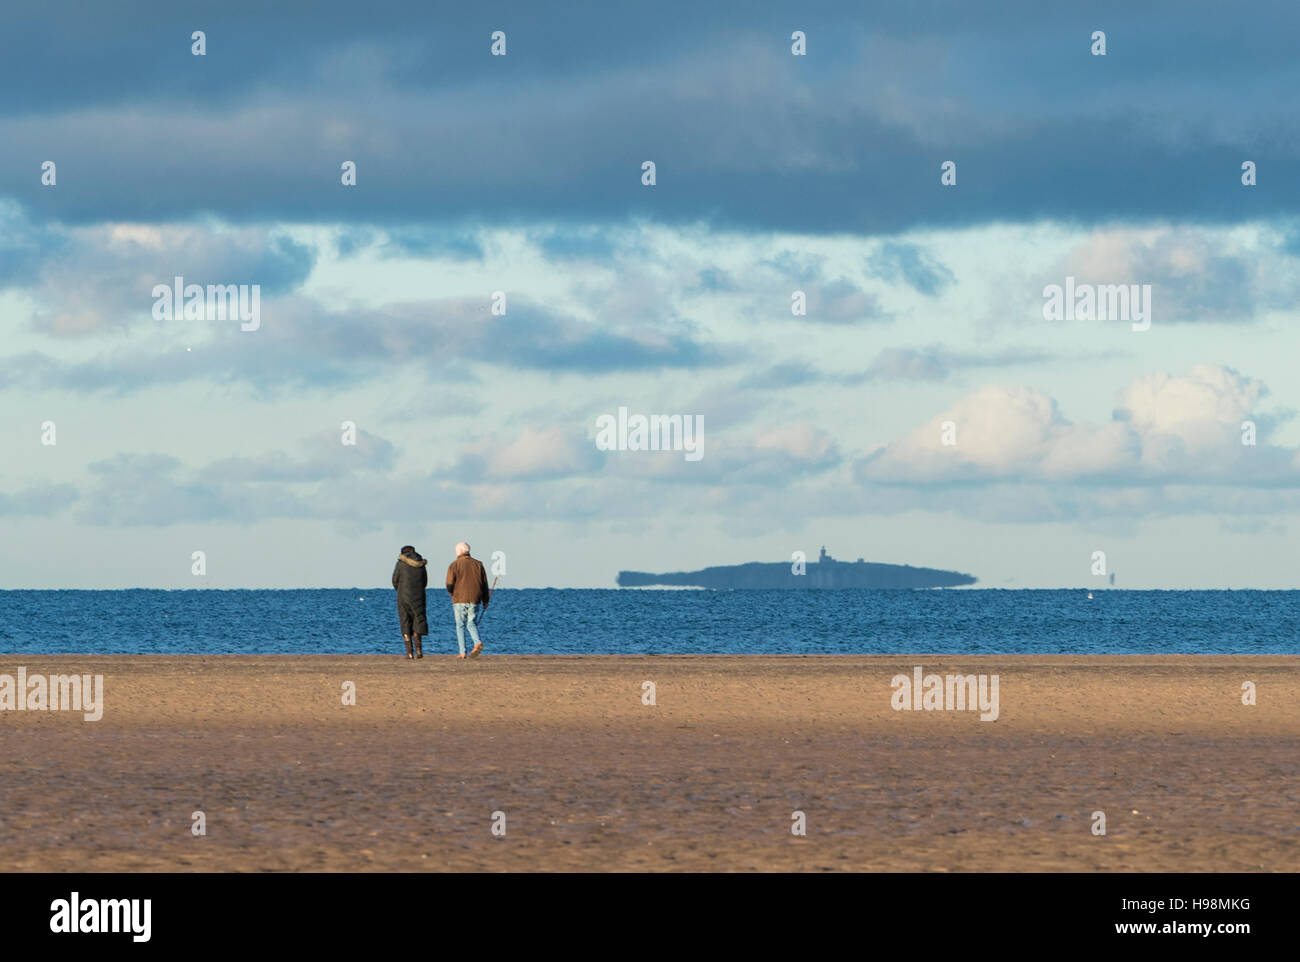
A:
x: 468, y: 587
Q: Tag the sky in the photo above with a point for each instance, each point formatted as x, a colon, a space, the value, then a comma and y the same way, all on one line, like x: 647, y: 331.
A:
x: 501, y: 276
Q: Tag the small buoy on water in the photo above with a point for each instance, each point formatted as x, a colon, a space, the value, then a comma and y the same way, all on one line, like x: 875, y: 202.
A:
x: 363, y: 599
x: 1089, y: 595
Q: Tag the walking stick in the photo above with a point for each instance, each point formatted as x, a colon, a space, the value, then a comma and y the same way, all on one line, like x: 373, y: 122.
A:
x: 491, y: 591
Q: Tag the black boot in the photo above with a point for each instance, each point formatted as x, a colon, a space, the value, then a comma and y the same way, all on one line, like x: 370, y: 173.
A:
x: 407, y: 641
x: 419, y: 651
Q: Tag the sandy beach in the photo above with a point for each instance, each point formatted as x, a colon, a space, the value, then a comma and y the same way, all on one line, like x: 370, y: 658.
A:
x: 590, y: 778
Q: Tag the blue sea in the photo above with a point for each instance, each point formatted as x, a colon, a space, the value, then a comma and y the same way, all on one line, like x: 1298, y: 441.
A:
x: 573, y: 621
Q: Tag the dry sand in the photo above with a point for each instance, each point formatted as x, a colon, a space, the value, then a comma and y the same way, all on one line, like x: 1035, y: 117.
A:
x: 589, y: 778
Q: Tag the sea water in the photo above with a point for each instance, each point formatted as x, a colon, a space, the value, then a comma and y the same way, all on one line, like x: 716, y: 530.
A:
x: 602, y: 622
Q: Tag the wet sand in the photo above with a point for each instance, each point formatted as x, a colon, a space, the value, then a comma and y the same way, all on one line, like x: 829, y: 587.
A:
x: 707, y: 779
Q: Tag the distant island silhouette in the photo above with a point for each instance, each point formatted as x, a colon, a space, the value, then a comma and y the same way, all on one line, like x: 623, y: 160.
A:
x: 825, y: 572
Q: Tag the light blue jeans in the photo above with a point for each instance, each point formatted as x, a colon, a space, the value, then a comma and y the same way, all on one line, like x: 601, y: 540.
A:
x: 466, y: 615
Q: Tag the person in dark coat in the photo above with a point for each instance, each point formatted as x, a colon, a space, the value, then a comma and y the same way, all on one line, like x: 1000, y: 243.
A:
x: 410, y: 578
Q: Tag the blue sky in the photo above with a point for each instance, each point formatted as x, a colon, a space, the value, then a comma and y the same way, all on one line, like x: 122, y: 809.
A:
x: 774, y: 174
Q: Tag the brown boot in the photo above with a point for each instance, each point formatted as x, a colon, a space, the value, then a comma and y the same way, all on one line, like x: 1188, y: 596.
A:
x: 419, y: 651
x: 407, y: 641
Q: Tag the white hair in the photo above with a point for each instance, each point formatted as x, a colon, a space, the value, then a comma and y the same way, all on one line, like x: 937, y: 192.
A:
x: 462, y: 548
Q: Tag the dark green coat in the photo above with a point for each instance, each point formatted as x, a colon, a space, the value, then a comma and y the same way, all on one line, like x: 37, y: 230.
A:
x: 410, y: 578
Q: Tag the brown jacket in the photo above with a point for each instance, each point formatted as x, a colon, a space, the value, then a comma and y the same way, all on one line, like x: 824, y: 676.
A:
x: 467, y: 582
